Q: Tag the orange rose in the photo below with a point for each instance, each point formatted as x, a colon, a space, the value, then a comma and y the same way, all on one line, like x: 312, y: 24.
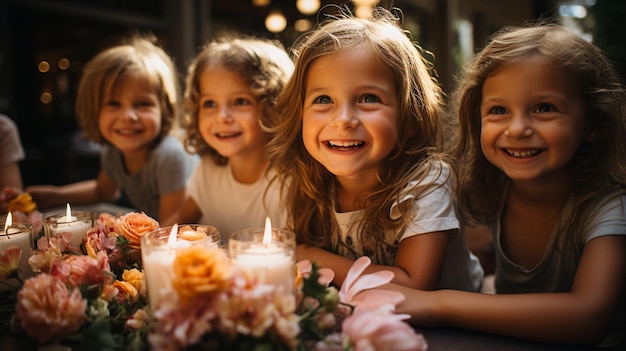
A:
x: 134, y: 225
x: 22, y: 203
x: 201, y: 271
x: 134, y: 277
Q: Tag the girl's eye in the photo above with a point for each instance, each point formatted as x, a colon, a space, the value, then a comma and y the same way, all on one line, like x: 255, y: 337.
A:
x: 242, y: 102
x: 111, y: 103
x: 323, y: 99
x: 369, y: 98
x: 208, y: 104
x: 543, y: 108
x: 146, y: 103
x: 497, y: 110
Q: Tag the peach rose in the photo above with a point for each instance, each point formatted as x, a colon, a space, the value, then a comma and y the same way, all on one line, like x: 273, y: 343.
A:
x: 134, y: 225
x: 9, y: 260
x: 48, y: 310
x: 187, y: 233
x: 201, y: 271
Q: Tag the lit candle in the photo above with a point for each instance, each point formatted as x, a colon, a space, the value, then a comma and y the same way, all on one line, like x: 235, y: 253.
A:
x: 266, y: 254
x: 75, y: 222
x: 158, y: 251
x: 20, y: 235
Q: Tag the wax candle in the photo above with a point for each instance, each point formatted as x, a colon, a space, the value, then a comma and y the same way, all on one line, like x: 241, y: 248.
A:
x: 75, y: 222
x: 20, y: 235
x: 158, y: 251
x: 265, y: 253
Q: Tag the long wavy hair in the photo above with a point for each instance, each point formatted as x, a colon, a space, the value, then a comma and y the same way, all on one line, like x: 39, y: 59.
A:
x: 263, y: 63
x: 308, y: 187
x: 138, y: 54
x: 600, y: 165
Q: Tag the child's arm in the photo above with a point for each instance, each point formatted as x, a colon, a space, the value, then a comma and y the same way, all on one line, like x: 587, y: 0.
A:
x: 171, y: 203
x: 187, y: 213
x: 86, y: 192
x: 581, y: 316
x: 419, y: 262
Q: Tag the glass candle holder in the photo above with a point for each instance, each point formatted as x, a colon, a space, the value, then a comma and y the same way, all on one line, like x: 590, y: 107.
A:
x: 158, y: 255
x: 78, y: 223
x: 271, y: 262
x: 21, y: 236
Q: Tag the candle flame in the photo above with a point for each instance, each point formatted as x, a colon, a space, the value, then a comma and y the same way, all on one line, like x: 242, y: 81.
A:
x: 171, y: 241
x: 68, y: 212
x: 9, y: 221
x: 267, y: 234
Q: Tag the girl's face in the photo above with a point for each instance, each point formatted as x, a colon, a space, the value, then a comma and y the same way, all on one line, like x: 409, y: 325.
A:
x: 533, y: 119
x: 130, y: 117
x: 350, y: 113
x: 229, y: 114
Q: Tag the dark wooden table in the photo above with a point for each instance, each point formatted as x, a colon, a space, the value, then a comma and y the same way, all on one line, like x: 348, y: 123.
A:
x: 438, y: 339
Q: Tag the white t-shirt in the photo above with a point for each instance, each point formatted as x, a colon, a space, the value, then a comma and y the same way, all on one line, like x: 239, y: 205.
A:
x: 433, y: 212
x: 11, y: 150
x: 231, y: 206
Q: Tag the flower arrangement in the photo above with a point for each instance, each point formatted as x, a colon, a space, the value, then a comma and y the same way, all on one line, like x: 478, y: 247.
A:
x: 90, y: 297
x: 215, y: 306
x: 94, y: 298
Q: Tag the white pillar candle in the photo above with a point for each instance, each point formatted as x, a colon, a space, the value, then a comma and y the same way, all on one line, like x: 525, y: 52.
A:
x: 267, y: 254
x: 20, y: 235
x: 75, y: 222
x: 158, y: 251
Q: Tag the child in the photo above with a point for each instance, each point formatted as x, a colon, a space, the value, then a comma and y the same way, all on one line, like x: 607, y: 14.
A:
x: 230, y: 91
x: 356, y: 152
x: 127, y: 100
x: 542, y: 161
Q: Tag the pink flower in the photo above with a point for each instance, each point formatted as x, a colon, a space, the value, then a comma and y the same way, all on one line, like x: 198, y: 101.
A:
x: 49, y: 251
x: 9, y: 260
x: 380, y: 329
x: 97, y: 239
x: 48, y: 310
x: 326, y: 274
x: 35, y: 218
x: 355, y: 289
x: 83, y: 270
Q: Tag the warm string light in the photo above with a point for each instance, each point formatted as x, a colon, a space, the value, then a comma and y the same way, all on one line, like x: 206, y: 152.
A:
x: 363, y: 8
x: 308, y: 7
x: 275, y: 21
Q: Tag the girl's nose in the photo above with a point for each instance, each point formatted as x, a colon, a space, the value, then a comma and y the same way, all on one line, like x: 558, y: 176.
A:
x: 519, y: 126
x: 345, y: 118
x: 130, y: 113
x: 224, y: 115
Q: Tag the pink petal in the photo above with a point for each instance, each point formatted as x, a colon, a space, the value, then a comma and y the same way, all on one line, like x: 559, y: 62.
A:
x: 372, y: 299
x: 355, y: 272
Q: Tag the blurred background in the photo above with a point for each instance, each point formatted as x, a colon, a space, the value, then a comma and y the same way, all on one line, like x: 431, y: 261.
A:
x: 44, y: 43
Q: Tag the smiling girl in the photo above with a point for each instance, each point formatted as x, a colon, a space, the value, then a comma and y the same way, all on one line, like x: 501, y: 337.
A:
x: 231, y: 90
x: 356, y: 153
x: 128, y: 101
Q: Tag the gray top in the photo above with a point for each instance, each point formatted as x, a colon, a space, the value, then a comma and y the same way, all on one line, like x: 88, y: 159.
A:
x: 166, y: 171
x: 11, y: 150
x: 557, y: 269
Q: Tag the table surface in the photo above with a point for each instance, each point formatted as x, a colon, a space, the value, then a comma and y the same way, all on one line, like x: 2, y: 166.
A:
x: 438, y: 339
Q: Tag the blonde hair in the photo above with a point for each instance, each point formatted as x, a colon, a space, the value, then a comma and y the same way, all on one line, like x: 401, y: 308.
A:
x: 264, y: 64
x: 308, y: 186
x: 139, y: 55
x: 600, y: 165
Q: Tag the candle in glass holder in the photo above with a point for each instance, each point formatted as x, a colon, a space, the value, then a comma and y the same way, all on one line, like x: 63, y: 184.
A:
x: 20, y: 235
x: 158, y: 251
x: 265, y: 253
x: 75, y: 222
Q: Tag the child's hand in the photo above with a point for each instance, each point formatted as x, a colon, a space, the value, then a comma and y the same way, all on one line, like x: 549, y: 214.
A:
x: 6, y: 195
x: 43, y: 195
